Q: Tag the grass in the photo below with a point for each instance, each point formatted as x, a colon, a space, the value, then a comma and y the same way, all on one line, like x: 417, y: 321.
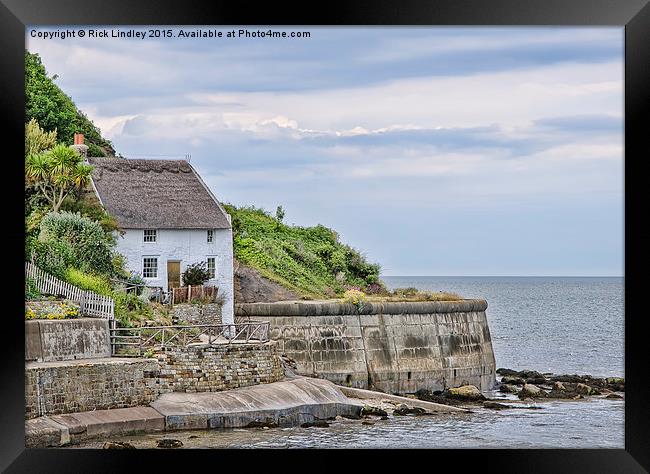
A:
x: 310, y: 261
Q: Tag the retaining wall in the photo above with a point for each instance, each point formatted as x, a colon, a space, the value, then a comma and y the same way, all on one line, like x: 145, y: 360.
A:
x: 66, y: 339
x: 396, y: 347
x: 97, y: 384
x: 209, y: 313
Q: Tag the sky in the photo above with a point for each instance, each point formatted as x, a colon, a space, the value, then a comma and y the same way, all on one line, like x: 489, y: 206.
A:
x: 433, y: 151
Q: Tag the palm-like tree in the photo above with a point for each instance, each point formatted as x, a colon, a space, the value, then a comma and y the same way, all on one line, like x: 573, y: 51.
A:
x: 56, y: 173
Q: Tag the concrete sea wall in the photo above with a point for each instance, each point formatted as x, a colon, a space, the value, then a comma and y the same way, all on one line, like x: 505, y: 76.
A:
x: 395, y: 347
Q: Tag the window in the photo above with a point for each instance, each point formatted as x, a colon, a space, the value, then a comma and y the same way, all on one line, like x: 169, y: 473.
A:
x: 212, y: 266
x: 150, y: 267
x: 210, y: 236
x: 150, y: 235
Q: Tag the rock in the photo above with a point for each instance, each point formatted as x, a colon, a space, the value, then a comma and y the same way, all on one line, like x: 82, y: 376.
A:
x: 567, y: 378
x: 367, y: 410
x: 251, y: 287
x: 614, y: 396
x: 502, y: 371
x: 169, y: 443
x: 584, y: 389
x: 352, y: 417
x: 465, y: 393
x: 117, y: 445
x: 403, y: 410
x: 531, y: 391
x: 512, y: 380
x: 505, y: 388
x: 537, y: 380
x: 384, y: 417
x: 495, y: 405
x: 193, y: 437
x: 366, y: 422
x: 559, y: 387
x: 269, y: 423
x: 435, y: 397
x: 315, y: 424
x: 615, y: 380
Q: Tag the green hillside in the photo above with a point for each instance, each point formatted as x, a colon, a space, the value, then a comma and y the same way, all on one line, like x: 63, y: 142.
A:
x: 54, y: 110
x: 310, y: 261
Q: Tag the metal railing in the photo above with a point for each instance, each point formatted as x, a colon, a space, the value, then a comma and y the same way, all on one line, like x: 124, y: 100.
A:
x: 135, y: 342
x: 90, y: 303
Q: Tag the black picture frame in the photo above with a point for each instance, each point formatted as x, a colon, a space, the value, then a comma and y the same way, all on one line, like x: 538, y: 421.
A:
x: 634, y: 15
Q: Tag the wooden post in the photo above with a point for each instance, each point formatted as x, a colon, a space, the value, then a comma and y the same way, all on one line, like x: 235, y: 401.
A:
x: 189, y: 293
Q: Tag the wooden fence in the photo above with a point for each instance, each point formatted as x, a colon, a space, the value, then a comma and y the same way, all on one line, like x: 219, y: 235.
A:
x: 90, y: 303
x: 186, y: 294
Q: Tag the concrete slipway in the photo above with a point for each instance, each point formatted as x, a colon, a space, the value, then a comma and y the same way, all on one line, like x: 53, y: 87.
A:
x: 290, y: 402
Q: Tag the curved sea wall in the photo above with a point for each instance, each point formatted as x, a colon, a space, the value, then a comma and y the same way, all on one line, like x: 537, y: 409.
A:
x: 394, y: 347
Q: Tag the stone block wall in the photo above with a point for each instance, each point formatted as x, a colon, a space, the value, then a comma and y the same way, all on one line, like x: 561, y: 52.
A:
x: 67, y: 387
x: 98, y: 384
x: 209, y: 313
x: 392, y: 347
x: 215, y: 368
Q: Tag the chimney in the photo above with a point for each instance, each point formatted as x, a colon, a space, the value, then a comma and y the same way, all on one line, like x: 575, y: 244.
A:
x: 79, y: 145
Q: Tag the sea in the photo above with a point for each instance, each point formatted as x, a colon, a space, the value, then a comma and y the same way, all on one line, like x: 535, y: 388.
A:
x: 563, y: 325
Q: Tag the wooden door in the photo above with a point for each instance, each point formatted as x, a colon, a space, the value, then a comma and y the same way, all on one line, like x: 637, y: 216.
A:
x: 173, y: 274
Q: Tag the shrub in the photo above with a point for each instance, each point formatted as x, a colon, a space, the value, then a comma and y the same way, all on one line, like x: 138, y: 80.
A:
x: 83, y: 239
x: 88, y: 281
x: 196, y: 274
x: 53, y: 310
x: 355, y: 297
x: 94, y: 150
x: 31, y: 292
x: 53, y: 257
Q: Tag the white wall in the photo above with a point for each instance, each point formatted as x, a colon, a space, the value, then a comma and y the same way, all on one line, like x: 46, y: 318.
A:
x: 189, y: 246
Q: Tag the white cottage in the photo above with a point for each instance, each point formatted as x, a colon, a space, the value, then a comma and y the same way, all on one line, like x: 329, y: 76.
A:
x: 170, y: 218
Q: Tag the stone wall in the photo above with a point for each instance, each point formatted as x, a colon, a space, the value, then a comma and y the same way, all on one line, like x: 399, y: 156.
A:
x: 219, y: 367
x: 97, y: 384
x: 392, y: 347
x: 65, y: 387
x: 66, y: 339
x: 209, y: 313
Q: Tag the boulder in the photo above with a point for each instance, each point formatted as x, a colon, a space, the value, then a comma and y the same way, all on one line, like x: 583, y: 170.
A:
x: 559, y: 387
x: 169, y: 443
x: 495, y: 405
x: 614, y: 396
x: 117, y: 445
x: 352, y: 417
x: 465, y: 393
x: 402, y: 410
x: 502, y: 371
x: 512, y: 380
x: 367, y: 410
x: 537, y: 380
x: 268, y: 423
x: 315, y: 424
x: 506, y: 388
x: 584, y: 389
x: 531, y: 391
x: 615, y: 380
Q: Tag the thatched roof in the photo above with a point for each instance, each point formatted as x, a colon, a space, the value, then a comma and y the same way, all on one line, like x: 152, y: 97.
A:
x: 156, y: 194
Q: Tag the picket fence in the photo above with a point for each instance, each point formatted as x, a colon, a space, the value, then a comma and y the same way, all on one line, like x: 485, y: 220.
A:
x: 90, y: 303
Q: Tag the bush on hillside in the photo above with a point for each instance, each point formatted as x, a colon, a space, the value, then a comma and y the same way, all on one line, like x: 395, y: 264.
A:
x: 77, y: 241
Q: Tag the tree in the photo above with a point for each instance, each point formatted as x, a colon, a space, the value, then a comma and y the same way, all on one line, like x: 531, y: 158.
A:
x: 279, y: 215
x: 57, y: 173
x: 37, y: 140
x: 54, y: 110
